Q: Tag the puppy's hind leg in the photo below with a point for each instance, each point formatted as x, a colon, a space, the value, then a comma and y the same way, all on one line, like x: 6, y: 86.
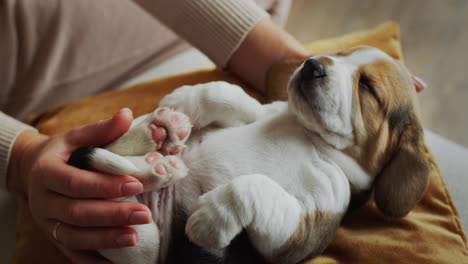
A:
x: 269, y: 214
x: 281, y: 227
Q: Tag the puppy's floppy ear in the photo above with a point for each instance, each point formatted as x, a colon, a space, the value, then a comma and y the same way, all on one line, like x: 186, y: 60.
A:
x: 404, y: 180
x: 419, y: 84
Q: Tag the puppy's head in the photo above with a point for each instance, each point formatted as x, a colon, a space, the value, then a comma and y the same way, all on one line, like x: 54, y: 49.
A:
x: 363, y: 102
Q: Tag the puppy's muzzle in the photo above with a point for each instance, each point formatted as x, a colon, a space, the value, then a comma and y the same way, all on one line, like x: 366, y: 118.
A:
x: 312, y: 69
x: 311, y: 76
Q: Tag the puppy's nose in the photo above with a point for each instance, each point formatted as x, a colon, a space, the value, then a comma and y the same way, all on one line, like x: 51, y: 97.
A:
x: 313, y: 69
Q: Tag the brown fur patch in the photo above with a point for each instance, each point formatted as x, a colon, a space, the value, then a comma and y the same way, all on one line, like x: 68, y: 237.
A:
x: 326, y: 61
x: 347, y: 52
x: 375, y: 140
x: 389, y: 139
x: 313, y: 235
x: 403, y: 181
x: 399, y: 118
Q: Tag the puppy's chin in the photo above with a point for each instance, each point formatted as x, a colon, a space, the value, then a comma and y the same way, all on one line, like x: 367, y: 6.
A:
x: 308, y: 107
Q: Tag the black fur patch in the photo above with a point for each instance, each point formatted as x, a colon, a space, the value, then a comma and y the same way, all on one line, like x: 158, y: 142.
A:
x: 242, y: 251
x: 239, y: 251
x: 183, y: 251
x: 398, y: 119
x: 81, y: 158
x: 358, y: 200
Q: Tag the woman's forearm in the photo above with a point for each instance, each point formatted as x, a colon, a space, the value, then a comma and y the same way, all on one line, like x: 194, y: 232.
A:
x: 10, y: 132
x: 236, y: 35
x: 215, y: 27
x: 265, y: 45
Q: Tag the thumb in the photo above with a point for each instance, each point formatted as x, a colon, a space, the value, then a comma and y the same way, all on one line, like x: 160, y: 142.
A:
x: 102, y: 132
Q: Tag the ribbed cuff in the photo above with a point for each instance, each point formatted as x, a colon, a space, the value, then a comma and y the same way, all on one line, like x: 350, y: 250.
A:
x: 9, y: 129
x: 216, y: 27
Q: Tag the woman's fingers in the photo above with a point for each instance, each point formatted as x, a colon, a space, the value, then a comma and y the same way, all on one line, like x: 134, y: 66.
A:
x: 92, y: 238
x: 96, y: 213
x: 76, y: 183
x: 68, y: 200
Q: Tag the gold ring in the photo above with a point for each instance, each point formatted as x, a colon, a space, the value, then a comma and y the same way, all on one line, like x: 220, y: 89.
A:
x: 56, y: 228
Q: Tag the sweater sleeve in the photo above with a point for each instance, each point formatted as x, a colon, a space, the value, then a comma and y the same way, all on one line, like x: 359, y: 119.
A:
x: 216, y: 27
x: 9, y: 129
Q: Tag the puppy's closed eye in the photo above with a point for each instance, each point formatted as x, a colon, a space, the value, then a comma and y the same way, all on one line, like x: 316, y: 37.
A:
x: 365, y: 85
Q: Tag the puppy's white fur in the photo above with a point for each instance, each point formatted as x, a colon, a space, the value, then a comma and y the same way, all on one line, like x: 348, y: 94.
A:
x: 261, y: 175
x: 262, y: 168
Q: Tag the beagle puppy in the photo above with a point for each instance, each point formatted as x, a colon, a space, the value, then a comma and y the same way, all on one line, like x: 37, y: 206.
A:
x: 253, y: 183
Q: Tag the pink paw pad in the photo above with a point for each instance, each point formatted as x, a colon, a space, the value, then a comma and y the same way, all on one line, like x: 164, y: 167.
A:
x: 158, y: 134
x: 177, y: 118
x: 182, y: 133
x: 174, y: 163
x: 164, y: 171
x: 153, y: 157
x: 169, y: 130
x: 160, y: 169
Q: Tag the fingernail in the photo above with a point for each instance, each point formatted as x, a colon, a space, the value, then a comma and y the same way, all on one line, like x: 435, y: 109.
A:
x: 126, y: 111
x: 132, y: 188
x: 127, y: 240
x: 140, y: 217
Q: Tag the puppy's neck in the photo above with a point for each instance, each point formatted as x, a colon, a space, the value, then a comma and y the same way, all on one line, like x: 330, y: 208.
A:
x: 357, y: 176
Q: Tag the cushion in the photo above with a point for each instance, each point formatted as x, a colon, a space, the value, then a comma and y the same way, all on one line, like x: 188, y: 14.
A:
x: 431, y: 233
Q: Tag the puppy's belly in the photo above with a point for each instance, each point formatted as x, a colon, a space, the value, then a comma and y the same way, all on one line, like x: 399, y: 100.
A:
x: 221, y: 155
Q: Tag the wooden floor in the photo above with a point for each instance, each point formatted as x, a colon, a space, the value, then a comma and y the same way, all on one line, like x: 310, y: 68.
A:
x: 435, y: 43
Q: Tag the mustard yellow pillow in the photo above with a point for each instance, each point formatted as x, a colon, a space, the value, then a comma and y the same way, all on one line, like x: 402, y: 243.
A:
x: 431, y: 233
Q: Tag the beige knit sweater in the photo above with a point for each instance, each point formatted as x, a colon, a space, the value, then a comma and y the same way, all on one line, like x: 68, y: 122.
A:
x: 29, y: 81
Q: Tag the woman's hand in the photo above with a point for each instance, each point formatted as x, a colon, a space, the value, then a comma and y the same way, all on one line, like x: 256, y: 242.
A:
x: 268, y: 45
x: 59, y: 193
x: 265, y: 45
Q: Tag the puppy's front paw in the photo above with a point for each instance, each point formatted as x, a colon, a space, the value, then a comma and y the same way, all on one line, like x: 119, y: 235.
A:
x: 165, y: 170
x: 213, y: 224
x: 157, y: 171
x: 169, y: 130
x: 163, y: 130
